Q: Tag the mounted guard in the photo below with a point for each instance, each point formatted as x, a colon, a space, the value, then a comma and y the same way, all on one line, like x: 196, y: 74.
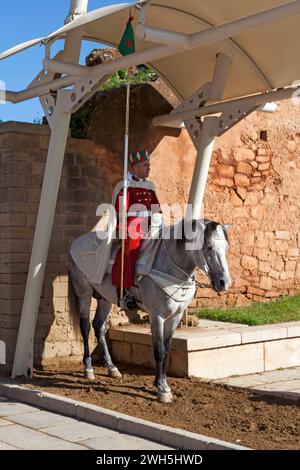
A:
x: 141, y: 205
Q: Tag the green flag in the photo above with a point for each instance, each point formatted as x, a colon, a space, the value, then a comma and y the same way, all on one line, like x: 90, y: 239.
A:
x: 127, y: 44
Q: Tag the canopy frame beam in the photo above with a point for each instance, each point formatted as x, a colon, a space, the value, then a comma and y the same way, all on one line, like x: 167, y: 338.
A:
x: 177, y: 116
x: 202, y: 133
x: 23, y: 360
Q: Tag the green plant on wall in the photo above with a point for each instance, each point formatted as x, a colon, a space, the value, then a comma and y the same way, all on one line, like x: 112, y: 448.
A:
x: 144, y: 74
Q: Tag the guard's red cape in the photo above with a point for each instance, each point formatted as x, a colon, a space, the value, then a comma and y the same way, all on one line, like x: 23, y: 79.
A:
x: 141, y: 202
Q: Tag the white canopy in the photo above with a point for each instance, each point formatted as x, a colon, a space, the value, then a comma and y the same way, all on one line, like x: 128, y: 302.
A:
x: 265, y: 57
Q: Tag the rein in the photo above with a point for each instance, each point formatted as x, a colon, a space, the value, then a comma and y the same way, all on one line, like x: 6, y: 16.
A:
x: 189, y: 276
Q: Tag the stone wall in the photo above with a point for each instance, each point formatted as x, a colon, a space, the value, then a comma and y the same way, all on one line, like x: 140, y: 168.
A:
x: 253, y: 183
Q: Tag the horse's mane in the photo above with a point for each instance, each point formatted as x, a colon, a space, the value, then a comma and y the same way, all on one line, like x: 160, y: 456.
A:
x: 211, y: 227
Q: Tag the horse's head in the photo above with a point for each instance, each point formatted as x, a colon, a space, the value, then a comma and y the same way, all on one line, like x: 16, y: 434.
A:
x: 209, y: 243
x: 214, y: 262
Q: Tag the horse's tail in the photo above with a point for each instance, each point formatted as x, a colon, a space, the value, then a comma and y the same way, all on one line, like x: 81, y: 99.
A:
x: 73, y: 303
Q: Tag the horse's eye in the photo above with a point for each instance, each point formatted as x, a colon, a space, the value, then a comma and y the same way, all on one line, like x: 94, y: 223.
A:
x: 209, y: 248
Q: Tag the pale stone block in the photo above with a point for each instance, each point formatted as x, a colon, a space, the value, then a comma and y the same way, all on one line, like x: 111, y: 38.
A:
x: 293, y: 328
x: 215, y: 444
x: 192, y: 441
x: 123, y: 442
x: 255, y: 334
x: 40, y: 419
x: 282, y: 375
x: 219, y: 363
x: 140, y: 427
x: 25, y: 438
x: 12, y: 408
x: 242, y: 382
x: 213, y: 339
x: 138, y: 338
x: 99, y: 416
x: 77, y: 431
x: 285, y: 386
x: 284, y: 353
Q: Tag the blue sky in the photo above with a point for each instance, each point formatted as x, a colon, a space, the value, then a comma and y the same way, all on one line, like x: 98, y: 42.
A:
x: 22, y: 21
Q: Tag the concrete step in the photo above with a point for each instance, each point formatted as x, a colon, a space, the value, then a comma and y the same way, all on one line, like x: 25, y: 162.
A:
x: 213, y: 350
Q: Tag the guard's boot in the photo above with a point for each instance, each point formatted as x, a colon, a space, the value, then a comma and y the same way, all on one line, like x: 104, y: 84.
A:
x: 128, y: 302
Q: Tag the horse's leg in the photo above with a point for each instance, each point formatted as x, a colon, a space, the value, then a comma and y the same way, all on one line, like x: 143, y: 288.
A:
x: 170, y: 326
x: 85, y: 327
x: 157, y: 329
x: 99, y: 325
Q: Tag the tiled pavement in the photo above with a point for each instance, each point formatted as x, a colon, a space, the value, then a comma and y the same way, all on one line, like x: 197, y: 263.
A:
x: 25, y: 427
x: 284, y: 383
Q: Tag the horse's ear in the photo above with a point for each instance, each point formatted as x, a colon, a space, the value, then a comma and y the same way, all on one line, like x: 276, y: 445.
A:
x: 198, y: 223
x: 228, y: 227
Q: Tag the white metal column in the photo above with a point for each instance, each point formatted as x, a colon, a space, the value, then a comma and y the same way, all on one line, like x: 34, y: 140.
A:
x: 23, y: 361
x: 207, y: 136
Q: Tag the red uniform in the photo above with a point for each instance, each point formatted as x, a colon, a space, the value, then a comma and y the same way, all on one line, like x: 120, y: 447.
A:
x: 140, y: 197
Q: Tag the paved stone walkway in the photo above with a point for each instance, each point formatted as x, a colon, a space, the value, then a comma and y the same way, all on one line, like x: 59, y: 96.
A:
x: 26, y: 427
x: 283, y: 383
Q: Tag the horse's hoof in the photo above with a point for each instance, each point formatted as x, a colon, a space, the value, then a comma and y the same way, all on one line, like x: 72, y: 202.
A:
x: 114, y: 373
x: 89, y: 374
x: 165, y: 398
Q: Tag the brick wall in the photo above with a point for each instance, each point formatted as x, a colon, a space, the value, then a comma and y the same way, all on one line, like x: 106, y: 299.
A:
x: 23, y: 152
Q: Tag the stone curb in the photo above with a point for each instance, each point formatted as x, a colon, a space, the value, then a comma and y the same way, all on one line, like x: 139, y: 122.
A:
x: 93, y: 414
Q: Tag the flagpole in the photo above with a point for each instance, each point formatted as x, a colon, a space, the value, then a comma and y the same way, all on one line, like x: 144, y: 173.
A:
x: 126, y: 46
x: 125, y: 190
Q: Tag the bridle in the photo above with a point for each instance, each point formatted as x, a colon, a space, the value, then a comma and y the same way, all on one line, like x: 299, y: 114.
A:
x: 204, y: 269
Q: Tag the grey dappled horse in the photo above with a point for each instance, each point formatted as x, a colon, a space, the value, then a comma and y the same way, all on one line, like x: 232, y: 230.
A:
x: 172, y: 258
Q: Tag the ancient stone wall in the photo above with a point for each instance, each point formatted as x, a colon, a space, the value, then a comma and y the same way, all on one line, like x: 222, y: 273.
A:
x: 254, y: 184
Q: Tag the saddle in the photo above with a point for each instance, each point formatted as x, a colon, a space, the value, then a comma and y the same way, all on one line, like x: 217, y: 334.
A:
x: 146, y: 257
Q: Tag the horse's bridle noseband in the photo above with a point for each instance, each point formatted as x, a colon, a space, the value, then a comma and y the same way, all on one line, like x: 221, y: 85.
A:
x: 204, y: 268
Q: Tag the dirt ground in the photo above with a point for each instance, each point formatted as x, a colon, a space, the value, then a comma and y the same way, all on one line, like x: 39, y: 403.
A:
x: 259, y: 422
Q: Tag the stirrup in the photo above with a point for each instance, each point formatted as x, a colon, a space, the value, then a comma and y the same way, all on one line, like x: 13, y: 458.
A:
x: 129, y: 302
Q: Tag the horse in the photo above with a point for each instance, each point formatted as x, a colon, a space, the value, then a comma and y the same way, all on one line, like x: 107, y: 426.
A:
x: 173, y: 258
